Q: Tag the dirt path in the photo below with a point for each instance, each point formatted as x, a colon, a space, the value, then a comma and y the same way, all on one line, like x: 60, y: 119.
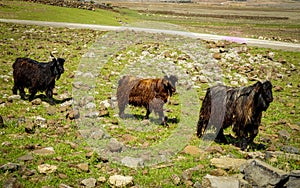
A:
x: 248, y: 41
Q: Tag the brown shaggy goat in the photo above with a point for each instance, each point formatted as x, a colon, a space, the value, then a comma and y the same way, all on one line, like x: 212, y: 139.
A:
x: 240, y: 108
x: 149, y: 93
x: 36, y: 76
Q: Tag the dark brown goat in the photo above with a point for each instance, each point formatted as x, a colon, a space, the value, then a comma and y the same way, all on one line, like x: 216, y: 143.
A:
x: 36, y: 76
x: 240, y: 108
x: 149, y: 93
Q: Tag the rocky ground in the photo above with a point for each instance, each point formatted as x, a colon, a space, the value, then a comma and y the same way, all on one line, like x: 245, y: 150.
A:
x: 59, y: 146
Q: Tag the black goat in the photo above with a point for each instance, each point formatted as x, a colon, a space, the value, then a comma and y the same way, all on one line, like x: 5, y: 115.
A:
x: 239, y: 107
x: 36, y: 76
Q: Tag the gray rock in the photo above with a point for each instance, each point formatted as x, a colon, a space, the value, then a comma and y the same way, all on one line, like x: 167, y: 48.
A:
x: 114, y: 146
x: 11, y: 183
x: 27, y: 157
x: 220, y: 182
x: 83, y: 167
x: 11, y: 167
x: 261, y: 174
x: 44, y: 151
x: 132, y: 162
x: 97, y: 134
x: 64, y: 186
x: 13, y: 98
x: 175, y: 179
x: 294, y: 179
x: 186, y: 175
x: 120, y: 181
x: 228, y: 163
x: 30, y: 128
x: 90, y: 105
x: 284, y: 134
x: 197, y: 185
x: 89, y: 182
x: 6, y: 144
x: 290, y: 149
x: 36, y: 101
x: 40, y: 122
x: 51, y: 110
x: 73, y: 114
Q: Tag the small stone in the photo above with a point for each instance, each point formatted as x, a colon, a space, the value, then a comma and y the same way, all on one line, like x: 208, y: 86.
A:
x: 210, y: 181
x: 13, y: 98
x: 89, y: 182
x: 175, y: 179
x: 27, y: 157
x: 127, y: 138
x: 11, y: 167
x: 114, y: 146
x: 145, y: 122
x: 192, y: 150
x: 40, y: 122
x: 186, y: 175
x: 278, y: 89
x: 30, y: 128
x: 12, y: 183
x: 6, y: 144
x: 103, y: 112
x: 217, y: 56
x: 290, y: 149
x: 294, y: 127
x: 132, y: 162
x: 62, y: 176
x: 218, y: 172
x: 214, y: 149
x: 101, y: 179
x: 114, y: 122
x: 73, y: 114
x: 228, y: 163
x: 47, y: 168
x: 83, y: 167
x: 97, y: 134
x: 120, y: 181
x: 36, y: 101
x: 283, y: 134
x: 197, y: 185
x: 44, y: 151
x: 51, y: 110
x: 64, y: 186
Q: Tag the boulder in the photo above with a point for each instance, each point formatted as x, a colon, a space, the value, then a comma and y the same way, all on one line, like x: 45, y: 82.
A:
x: 261, y: 174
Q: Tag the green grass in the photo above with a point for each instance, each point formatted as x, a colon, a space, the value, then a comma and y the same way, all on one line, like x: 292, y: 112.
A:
x: 34, y: 11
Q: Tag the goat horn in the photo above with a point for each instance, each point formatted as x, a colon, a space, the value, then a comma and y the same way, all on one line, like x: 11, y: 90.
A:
x: 51, y: 55
x: 269, y: 75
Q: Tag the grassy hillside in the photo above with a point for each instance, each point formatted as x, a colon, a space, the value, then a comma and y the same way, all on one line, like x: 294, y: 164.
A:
x: 35, y: 11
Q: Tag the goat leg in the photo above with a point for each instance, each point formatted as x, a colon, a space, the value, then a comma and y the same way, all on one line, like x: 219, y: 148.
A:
x: 49, y: 94
x: 147, y: 113
x: 15, y: 90
x: 32, y: 93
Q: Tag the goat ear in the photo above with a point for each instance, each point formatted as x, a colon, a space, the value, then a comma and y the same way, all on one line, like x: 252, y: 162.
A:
x: 258, y: 87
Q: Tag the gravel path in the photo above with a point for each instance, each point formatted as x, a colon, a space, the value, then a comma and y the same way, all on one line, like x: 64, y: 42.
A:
x: 248, y: 41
